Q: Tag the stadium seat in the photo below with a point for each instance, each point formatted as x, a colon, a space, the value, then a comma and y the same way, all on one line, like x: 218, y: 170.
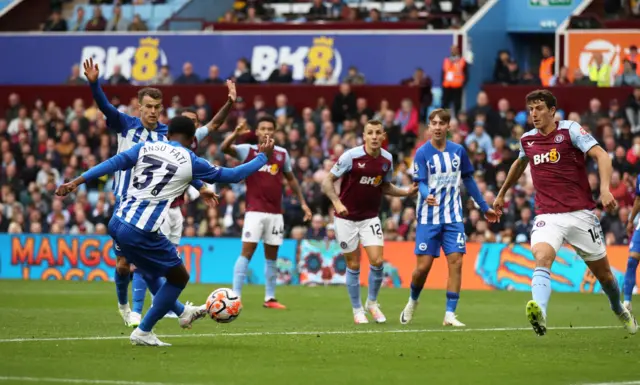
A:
x: 153, y: 15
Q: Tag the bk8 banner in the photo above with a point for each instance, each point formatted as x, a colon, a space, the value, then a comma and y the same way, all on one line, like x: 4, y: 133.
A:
x: 384, y: 58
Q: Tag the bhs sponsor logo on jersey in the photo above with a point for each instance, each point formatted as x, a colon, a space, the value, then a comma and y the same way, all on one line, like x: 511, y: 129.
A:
x: 270, y: 168
x: 553, y: 156
x: 370, y: 180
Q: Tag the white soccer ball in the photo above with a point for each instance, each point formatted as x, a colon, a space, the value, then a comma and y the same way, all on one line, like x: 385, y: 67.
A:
x: 223, y: 305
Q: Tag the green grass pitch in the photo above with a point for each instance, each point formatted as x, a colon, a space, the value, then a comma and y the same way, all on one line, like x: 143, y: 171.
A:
x: 313, y: 342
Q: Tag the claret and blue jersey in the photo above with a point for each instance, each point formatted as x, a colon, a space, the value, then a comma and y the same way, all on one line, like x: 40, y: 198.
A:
x: 439, y: 173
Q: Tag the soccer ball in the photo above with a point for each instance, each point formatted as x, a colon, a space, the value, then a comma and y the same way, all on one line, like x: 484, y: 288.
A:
x: 223, y: 305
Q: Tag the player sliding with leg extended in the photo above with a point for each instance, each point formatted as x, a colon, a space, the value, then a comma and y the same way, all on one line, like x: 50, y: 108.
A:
x: 263, y: 219
x: 439, y: 165
x: 366, y: 173
x: 555, y: 152
x: 634, y: 250
x: 160, y: 172
x: 132, y: 130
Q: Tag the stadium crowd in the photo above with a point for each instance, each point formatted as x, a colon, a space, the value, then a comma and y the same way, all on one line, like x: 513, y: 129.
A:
x: 44, y: 144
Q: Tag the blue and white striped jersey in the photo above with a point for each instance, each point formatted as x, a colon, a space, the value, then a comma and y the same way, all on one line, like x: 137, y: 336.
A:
x: 439, y: 174
x: 161, y: 171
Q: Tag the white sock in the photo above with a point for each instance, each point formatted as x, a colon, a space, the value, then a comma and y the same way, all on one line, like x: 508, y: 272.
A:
x: 270, y: 274
x: 240, y: 274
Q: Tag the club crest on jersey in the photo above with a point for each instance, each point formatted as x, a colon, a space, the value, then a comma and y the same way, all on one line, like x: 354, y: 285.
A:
x: 540, y: 224
x: 559, y: 138
x: 371, y: 180
x: 385, y: 167
x: 455, y: 163
x: 278, y: 157
x: 270, y: 168
x: 552, y: 156
x: 343, y: 245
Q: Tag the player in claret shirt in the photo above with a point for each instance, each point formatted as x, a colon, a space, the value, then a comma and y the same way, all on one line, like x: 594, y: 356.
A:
x: 555, y: 151
x: 366, y: 173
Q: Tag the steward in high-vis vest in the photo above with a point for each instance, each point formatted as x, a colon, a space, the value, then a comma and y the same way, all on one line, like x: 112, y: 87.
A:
x: 454, y: 78
x: 546, y: 66
x: 599, y: 71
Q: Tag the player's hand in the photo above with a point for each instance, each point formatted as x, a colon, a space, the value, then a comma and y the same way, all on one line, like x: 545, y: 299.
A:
x: 266, y: 147
x: 65, y: 189
x: 91, y: 71
x: 242, y: 127
x: 498, y: 205
x: 492, y: 216
x: 307, y: 213
x: 431, y: 200
x: 210, y: 198
x: 231, y: 86
x: 608, y: 201
x: 341, y: 209
x: 412, y: 190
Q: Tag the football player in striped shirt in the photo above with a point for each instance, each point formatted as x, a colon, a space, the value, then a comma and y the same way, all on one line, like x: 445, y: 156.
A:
x: 160, y: 172
x: 439, y: 166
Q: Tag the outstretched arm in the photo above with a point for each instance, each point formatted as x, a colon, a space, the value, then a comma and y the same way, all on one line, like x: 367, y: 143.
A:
x: 472, y: 189
x: 515, y: 172
x: 395, y: 191
x: 220, y: 117
x: 112, y: 114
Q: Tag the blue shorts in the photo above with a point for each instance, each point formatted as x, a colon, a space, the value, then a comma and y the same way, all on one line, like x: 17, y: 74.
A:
x: 448, y: 236
x: 152, y: 253
x: 634, y: 245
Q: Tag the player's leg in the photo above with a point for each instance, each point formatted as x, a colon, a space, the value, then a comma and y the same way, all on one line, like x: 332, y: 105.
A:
x: 251, y: 234
x: 372, y: 239
x: 547, y: 237
x: 587, y: 238
x: 454, y: 246
x: 347, y: 236
x: 138, y: 294
x: 273, y: 237
x: 173, y: 232
x: 632, y: 267
x: 122, y: 278
x: 428, y: 243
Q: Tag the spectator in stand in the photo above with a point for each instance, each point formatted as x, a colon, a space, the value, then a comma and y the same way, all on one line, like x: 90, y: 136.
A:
x: 281, y: 75
x: 214, y: 76
x: 117, y: 78
x: 163, y: 77
x: 354, y: 76
x: 187, y: 76
x: 318, y: 11
x: 628, y: 77
x: 97, y: 21
x: 327, y: 78
x: 79, y: 22
x: 74, y: 79
x: 409, y: 7
x: 479, y: 136
x: 546, y: 66
x: 579, y: 79
x: 424, y: 82
x: 454, y: 78
x: 599, y: 71
x: 242, y: 73
x: 252, y: 16
x: 138, y: 24
x: 561, y: 79
x: 55, y: 23
x: 309, y: 76
x: 317, y: 230
x: 502, y: 73
x: 117, y: 23
x: 632, y: 111
x: 407, y: 118
x: 344, y: 104
x: 633, y: 58
x: 482, y: 107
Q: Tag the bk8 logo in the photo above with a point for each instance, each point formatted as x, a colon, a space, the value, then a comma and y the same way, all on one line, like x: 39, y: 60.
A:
x: 553, y: 156
x: 371, y: 180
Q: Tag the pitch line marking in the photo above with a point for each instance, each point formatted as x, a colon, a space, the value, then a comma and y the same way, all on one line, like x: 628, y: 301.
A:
x: 616, y: 383
x: 83, y: 381
x: 302, y: 333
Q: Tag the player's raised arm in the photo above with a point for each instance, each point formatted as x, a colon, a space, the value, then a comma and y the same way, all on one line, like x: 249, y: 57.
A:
x: 220, y: 117
x: 295, y: 187
x: 123, y: 161
x: 342, y: 166
x: 112, y: 114
x: 204, y: 171
x: 229, y: 148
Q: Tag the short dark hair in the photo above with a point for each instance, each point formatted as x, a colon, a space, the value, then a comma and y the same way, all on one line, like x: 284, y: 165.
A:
x: 182, y: 110
x: 182, y: 125
x: 443, y: 114
x: 154, y: 93
x: 374, y: 122
x: 544, y: 96
x: 267, y: 118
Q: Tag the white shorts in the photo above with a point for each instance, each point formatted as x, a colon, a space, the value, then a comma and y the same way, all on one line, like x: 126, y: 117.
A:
x: 263, y: 226
x: 351, y: 234
x: 581, y: 229
x: 172, y: 225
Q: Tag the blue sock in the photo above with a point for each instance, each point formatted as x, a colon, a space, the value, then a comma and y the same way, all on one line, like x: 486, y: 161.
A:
x: 139, y: 292
x: 154, y: 285
x: 375, y: 281
x: 612, y: 291
x: 415, y: 292
x: 630, y: 278
x: 270, y: 275
x: 541, y: 287
x: 240, y: 274
x: 353, y: 287
x: 122, y: 287
x: 452, y: 301
x: 164, y: 300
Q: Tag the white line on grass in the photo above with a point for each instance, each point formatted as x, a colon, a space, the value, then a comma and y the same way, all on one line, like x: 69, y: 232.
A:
x: 303, y: 333
x: 83, y: 381
x: 616, y: 383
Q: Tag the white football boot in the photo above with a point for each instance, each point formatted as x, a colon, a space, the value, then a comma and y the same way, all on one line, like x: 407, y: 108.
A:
x: 407, y: 313
x: 450, y: 319
x: 191, y: 313
x: 134, y: 319
x: 628, y: 321
x: 536, y: 317
x: 627, y: 305
x: 374, y: 309
x: 140, y: 338
x: 359, y: 316
x: 125, y: 312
